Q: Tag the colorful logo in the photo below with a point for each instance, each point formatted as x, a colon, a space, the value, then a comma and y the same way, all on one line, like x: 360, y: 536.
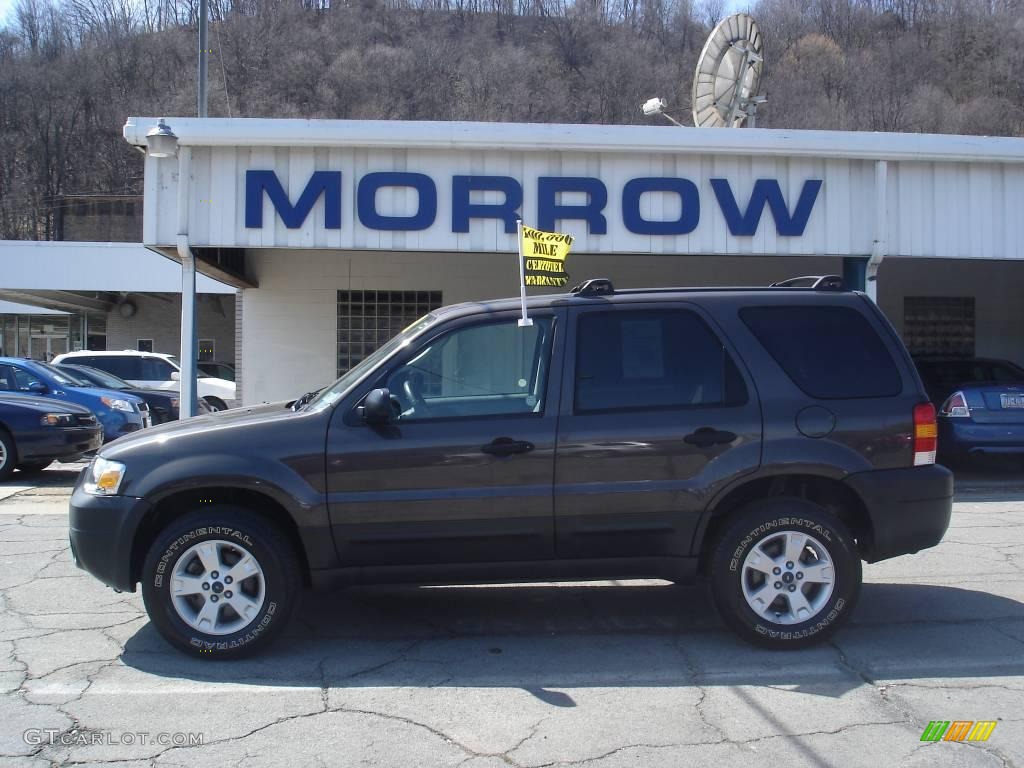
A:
x: 958, y: 730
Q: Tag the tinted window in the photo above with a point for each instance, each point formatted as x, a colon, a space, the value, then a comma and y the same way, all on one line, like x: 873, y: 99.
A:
x: 652, y: 359
x: 98, y: 378
x: 155, y: 369
x: 7, y: 383
x: 122, y: 366
x: 495, y: 369
x: 1006, y: 372
x: 63, y: 377
x: 23, y: 379
x: 829, y: 352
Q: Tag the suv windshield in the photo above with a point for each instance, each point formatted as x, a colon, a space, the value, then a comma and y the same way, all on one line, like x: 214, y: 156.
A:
x: 330, y: 395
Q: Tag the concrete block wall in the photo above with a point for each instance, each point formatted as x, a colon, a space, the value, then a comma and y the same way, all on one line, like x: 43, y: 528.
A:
x: 161, y: 321
x: 997, y: 288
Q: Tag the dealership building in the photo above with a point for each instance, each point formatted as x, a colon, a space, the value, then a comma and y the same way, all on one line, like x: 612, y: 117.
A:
x: 339, y: 233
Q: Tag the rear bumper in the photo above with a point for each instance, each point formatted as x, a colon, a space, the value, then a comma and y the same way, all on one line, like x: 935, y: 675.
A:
x: 102, y: 529
x: 961, y: 437
x: 909, y: 508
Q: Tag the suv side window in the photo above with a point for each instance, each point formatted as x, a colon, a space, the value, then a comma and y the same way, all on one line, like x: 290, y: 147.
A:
x: 7, y: 379
x: 490, y: 369
x: 154, y: 369
x: 831, y: 353
x: 122, y: 366
x: 651, y: 359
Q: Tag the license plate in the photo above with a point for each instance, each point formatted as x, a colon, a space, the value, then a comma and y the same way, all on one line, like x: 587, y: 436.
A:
x: 1011, y: 401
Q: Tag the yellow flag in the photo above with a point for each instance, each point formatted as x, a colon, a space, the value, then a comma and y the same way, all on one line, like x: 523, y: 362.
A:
x: 544, y: 255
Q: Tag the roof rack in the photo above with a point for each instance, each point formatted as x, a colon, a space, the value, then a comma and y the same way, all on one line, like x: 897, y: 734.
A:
x: 597, y: 286
x: 818, y: 282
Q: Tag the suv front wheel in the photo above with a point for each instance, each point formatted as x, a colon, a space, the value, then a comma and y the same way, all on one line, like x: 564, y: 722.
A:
x: 785, y: 574
x: 220, y: 583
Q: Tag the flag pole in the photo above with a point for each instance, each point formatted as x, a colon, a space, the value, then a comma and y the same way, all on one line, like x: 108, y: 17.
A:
x: 524, y: 320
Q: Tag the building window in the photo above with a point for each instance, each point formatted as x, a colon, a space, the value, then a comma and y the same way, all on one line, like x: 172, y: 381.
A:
x: 207, y: 350
x: 939, y: 325
x: 366, y: 319
x: 145, y: 345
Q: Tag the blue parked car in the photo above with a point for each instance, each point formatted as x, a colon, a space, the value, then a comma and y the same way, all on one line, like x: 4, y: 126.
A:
x: 119, y: 413
x: 980, y: 403
x: 36, y: 430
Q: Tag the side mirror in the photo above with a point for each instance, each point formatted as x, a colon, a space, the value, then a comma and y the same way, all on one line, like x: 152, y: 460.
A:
x: 377, y: 407
x: 38, y: 387
x: 175, y: 375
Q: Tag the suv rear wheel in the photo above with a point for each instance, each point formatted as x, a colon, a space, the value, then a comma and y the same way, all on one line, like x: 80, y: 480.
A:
x: 785, y: 574
x: 220, y: 583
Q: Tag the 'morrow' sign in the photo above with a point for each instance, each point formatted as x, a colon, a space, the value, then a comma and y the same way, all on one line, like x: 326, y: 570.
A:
x: 742, y: 219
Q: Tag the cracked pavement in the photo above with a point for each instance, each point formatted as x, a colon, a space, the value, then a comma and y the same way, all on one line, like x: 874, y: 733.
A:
x: 604, y: 674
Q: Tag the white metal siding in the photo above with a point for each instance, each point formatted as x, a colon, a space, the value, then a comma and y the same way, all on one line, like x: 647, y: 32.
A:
x: 938, y: 209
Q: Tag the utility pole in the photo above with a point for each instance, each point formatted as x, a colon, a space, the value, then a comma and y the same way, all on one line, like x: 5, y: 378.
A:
x: 204, y: 48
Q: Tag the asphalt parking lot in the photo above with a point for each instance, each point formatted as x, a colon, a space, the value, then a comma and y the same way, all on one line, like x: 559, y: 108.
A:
x: 604, y: 674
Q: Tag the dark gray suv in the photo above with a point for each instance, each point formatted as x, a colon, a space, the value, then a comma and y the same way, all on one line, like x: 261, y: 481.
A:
x: 765, y: 439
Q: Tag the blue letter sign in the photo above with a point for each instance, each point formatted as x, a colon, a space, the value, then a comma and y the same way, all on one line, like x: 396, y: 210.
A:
x: 366, y: 201
x: 688, y: 219
x: 463, y: 210
x: 766, y: 191
x: 327, y: 183
x: 549, y: 211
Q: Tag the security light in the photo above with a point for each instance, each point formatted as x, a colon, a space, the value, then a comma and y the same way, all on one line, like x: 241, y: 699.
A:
x: 161, y: 140
x: 657, y: 106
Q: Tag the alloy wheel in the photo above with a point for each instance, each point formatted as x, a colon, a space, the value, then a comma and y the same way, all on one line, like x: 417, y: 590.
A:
x: 788, y: 578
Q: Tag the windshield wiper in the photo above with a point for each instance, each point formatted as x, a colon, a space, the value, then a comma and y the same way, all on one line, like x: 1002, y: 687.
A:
x: 305, y: 399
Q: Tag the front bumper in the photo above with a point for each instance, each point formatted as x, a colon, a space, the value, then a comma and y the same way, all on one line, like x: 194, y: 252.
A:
x: 909, y: 508
x: 102, y: 529
x: 119, y: 423
x: 59, y: 442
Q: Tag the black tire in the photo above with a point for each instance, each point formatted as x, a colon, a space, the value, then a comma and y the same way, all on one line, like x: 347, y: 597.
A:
x: 8, y: 454
x: 34, y: 467
x: 236, y: 526
x: 760, y: 523
x: 216, y: 404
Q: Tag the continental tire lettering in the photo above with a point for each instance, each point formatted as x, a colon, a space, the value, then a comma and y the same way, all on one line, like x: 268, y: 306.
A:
x: 772, y: 525
x: 831, y: 616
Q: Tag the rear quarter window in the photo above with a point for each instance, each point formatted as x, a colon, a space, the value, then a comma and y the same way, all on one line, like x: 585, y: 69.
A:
x: 830, y: 353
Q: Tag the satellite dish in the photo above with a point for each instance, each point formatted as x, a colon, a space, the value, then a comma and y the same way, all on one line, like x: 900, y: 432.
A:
x: 728, y: 75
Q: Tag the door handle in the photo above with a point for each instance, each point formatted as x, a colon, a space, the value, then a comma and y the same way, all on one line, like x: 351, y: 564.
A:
x: 705, y: 437
x: 506, y: 446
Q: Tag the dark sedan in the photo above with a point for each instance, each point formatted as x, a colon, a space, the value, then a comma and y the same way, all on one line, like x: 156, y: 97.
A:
x: 36, y: 430
x: 980, y: 405
x: 163, y: 404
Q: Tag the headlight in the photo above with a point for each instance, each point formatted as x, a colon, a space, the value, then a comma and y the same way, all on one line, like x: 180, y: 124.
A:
x: 57, y: 420
x: 117, y: 404
x: 104, y: 478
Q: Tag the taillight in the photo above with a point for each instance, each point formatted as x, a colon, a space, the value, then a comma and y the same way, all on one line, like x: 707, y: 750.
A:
x: 955, y: 406
x: 926, y: 434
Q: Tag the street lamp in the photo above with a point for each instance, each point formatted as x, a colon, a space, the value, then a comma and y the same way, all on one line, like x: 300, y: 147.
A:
x: 657, y: 106
x: 161, y: 141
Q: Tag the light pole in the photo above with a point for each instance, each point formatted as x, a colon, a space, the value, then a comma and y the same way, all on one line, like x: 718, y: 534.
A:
x: 161, y: 142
